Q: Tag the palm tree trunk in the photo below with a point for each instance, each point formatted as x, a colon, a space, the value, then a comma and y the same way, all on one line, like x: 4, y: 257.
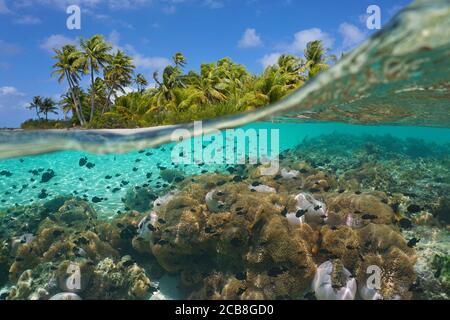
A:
x: 92, y: 93
x: 108, y: 101
x: 78, y: 109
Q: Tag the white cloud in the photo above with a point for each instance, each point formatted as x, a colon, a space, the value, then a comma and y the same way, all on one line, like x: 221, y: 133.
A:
x: 301, y: 38
x: 3, y: 7
x: 139, y: 60
x: 63, y: 4
x: 351, y: 35
x: 170, y: 9
x: 214, y: 4
x: 56, y: 41
x: 127, y: 4
x: 270, y: 59
x: 250, y: 39
x: 298, y: 45
x: 153, y: 63
x: 10, y: 91
x: 27, y: 20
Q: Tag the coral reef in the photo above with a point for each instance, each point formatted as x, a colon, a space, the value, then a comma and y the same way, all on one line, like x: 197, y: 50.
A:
x: 69, y: 243
x: 340, y: 210
x: 229, y: 241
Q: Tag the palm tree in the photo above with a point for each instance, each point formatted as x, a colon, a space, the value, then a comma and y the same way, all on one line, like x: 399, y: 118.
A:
x: 66, y: 105
x: 316, y: 57
x: 36, y: 105
x: 141, y: 82
x: 118, y: 74
x: 96, y: 53
x: 179, y: 60
x: 171, y: 79
x: 69, y: 66
x: 48, y: 106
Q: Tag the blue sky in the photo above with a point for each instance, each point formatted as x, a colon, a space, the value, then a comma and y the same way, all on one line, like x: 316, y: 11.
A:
x: 252, y: 32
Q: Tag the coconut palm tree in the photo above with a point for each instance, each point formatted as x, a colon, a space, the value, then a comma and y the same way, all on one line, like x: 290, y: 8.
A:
x: 141, y: 82
x: 66, y: 105
x: 118, y: 74
x: 179, y: 60
x: 69, y: 66
x: 96, y: 53
x: 48, y: 106
x: 36, y: 105
x: 317, y: 58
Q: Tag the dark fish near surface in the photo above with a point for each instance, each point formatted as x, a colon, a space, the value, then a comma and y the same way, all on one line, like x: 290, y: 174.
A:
x: 82, y: 162
x: 90, y: 165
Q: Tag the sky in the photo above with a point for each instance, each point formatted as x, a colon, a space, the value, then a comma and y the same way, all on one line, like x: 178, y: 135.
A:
x: 251, y: 32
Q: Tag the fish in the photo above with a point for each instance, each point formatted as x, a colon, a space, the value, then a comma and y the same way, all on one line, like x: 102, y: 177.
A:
x: 82, y: 162
x: 368, y: 216
x: 90, y: 165
x: 412, y: 242
x: 300, y: 213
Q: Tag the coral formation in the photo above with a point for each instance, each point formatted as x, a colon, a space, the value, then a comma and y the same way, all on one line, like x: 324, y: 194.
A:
x: 334, y: 282
x: 71, y: 244
x: 229, y: 241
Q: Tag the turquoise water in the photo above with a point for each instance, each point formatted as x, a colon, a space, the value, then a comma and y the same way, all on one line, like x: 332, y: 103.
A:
x: 362, y: 154
x: 114, y: 174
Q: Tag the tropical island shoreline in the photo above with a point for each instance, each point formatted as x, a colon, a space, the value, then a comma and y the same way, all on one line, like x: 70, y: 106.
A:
x: 219, y: 89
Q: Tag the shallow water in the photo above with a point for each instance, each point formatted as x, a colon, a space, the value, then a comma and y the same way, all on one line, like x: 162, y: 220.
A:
x: 369, y: 140
x: 121, y: 171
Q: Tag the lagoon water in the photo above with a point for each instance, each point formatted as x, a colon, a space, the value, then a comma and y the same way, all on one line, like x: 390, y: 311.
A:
x: 378, y: 121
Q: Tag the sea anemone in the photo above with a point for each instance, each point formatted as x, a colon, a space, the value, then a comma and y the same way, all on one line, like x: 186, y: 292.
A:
x: 334, y: 282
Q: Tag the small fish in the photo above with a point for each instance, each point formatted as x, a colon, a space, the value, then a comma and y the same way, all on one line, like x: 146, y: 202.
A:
x: 405, y: 223
x: 300, y: 213
x: 97, y: 199
x: 310, y: 296
x: 415, y: 287
x: 368, y: 216
x: 412, y: 242
x: 90, y: 165
x: 82, y: 162
x: 240, y: 291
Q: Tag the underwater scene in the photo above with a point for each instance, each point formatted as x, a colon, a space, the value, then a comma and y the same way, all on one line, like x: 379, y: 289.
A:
x: 340, y: 191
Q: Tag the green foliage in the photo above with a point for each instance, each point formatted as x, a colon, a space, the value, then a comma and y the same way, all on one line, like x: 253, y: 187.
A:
x: 33, y: 124
x: 220, y: 88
